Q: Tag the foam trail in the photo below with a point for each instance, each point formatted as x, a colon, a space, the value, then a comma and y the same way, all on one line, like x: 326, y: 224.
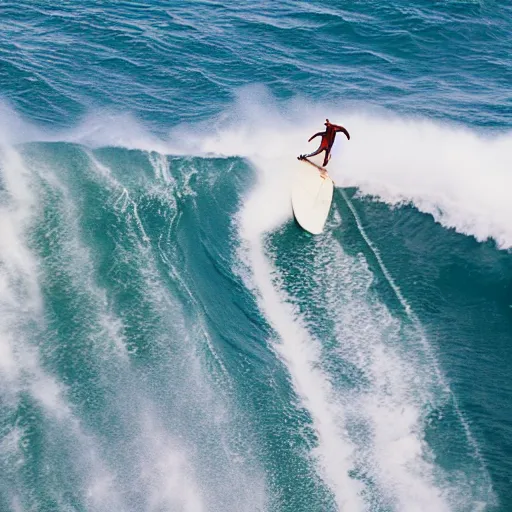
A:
x: 396, y: 453
x: 163, y: 467
x: 417, y: 324
x: 398, y: 383
x: 301, y: 355
x: 299, y: 351
x: 21, y: 307
x: 337, y: 453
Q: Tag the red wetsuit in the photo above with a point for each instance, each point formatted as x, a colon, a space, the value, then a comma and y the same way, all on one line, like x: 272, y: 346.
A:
x: 327, y: 140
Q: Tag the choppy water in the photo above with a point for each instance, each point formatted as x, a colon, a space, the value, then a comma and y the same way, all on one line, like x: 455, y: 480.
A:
x: 171, y: 340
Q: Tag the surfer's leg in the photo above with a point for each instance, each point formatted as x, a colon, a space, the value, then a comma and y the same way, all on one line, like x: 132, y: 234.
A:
x: 317, y: 152
x: 327, y: 157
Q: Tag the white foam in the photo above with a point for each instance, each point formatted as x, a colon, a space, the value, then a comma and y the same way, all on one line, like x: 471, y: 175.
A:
x: 460, y: 176
x: 301, y: 353
x: 400, y: 384
x: 18, y: 270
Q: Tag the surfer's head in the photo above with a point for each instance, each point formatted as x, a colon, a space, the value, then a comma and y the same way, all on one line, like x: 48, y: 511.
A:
x: 327, y: 122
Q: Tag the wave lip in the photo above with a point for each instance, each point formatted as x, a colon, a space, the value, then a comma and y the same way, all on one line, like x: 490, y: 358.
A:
x: 460, y: 176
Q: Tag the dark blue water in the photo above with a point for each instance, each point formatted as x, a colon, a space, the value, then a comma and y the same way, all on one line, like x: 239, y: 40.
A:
x: 170, y: 339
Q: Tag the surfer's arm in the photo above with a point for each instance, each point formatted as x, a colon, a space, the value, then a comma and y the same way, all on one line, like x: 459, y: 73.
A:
x: 319, y: 134
x: 343, y: 130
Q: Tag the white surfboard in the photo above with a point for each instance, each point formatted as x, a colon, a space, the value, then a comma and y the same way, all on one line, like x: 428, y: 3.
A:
x: 312, y: 197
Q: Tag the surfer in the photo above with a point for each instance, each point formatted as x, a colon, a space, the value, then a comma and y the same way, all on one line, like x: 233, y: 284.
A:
x: 327, y: 141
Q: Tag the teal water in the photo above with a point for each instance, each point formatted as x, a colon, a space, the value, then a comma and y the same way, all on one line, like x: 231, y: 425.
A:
x: 171, y: 340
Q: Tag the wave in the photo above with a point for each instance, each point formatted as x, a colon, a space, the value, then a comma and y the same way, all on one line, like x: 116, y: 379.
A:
x: 459, y: 176
x: 368, y: 445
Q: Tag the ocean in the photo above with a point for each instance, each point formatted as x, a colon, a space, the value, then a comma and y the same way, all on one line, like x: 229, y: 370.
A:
x: 171, y: 340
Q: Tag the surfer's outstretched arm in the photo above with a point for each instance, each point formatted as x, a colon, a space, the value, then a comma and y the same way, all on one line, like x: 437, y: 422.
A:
x: 319, y: 134
x: 343, y: 130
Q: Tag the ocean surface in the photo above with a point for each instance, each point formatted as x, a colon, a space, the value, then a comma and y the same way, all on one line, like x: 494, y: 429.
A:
x: 171, y: 340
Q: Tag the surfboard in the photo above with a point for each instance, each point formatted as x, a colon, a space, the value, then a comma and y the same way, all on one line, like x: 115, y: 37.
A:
x: 312, y: 197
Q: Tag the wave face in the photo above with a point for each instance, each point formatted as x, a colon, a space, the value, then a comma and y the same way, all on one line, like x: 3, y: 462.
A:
x: 171, y: 340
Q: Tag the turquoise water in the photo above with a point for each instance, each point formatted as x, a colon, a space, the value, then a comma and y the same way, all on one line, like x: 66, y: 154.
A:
x: 171, y: 340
